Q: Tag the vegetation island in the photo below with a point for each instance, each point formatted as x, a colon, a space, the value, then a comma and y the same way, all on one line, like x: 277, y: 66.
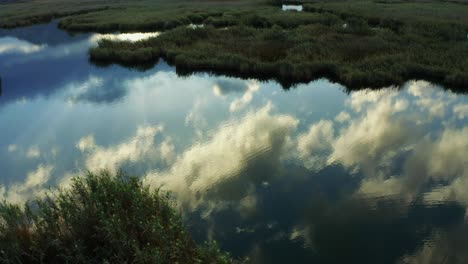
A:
x: 358, y: 43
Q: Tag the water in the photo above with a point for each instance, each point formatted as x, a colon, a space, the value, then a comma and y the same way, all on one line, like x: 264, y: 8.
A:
x: 292, y: 8
x: 307, y: 175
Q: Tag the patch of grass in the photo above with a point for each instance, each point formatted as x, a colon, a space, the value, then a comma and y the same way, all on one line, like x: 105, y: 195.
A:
x: 101, y: 218
x: 429, y: 11
x: 106, y: 15
x: 25, y: 13
x: 160, y: 19
x: 44, y: 17
x: 148, y: 19
x: 299, y: 47
x: 358, y: 43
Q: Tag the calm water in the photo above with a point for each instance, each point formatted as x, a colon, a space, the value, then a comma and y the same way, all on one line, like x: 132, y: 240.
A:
x: 291, y: 7
x: 307, y: 175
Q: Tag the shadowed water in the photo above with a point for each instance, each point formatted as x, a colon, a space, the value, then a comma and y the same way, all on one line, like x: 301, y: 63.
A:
x: 309, y: 175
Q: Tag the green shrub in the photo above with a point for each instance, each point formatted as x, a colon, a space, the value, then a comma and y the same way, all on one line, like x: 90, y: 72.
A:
x: 101, y: 218
x: 256, y: 21
x: 275, y: 2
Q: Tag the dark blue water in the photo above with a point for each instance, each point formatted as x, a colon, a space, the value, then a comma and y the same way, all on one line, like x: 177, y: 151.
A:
x: 307, y: 175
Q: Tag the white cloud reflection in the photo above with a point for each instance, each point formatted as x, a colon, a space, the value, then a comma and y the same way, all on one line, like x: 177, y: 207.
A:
x: 461, y: 110
x: 130, y: 37
x: 343, y: 117
x: 142, y: 147
x: 382, y: 134
x: 315, y: 145
x: 429, y: 98
x: 12, y: 148
x: 239, y: 103
x: 227, y: 168
x: 378, y: 135
x: 33, y: 152
x: 14, y: 45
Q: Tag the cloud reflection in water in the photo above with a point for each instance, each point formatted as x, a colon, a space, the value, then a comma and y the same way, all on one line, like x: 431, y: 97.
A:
x: 271, y: 169
x: 14, y: 45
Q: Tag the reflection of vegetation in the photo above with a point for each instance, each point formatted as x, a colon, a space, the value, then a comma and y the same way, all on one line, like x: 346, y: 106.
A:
x: 376, y: 233
x: 100, y: 219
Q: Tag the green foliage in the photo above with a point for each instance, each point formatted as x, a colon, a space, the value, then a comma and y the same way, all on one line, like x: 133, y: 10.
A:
x: 100, y: 219
x: 274, y: 2
x: 44, y: 17
x: 358, y: 43
x: 304, y: 47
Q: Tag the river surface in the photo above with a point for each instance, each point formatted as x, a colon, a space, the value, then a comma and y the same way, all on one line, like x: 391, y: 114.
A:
x: 312, y: 174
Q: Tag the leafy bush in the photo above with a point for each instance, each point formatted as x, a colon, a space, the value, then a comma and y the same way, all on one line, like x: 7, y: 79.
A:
x: 275, y: 2
x: 256, y: 21
x: 100, y: 219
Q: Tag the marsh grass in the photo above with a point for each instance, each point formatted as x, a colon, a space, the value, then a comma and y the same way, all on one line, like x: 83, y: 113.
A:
x: 300, y: 47
x: 148, y: 19
x: 26, y: 13
x: 103, y: 13
x: 101, y: 218
x: 359, y: 43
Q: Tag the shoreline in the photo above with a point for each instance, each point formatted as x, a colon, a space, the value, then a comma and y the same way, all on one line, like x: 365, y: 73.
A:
x: 356, y: 49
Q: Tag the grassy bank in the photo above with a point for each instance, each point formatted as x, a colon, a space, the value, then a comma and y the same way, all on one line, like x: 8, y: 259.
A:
x: 100, y: 219
x: 25, y: 13
x: 89, y: 15
x: 353, y: 49
x: 359, y: 43
x: 428, y: 11
x: 157, y: 16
